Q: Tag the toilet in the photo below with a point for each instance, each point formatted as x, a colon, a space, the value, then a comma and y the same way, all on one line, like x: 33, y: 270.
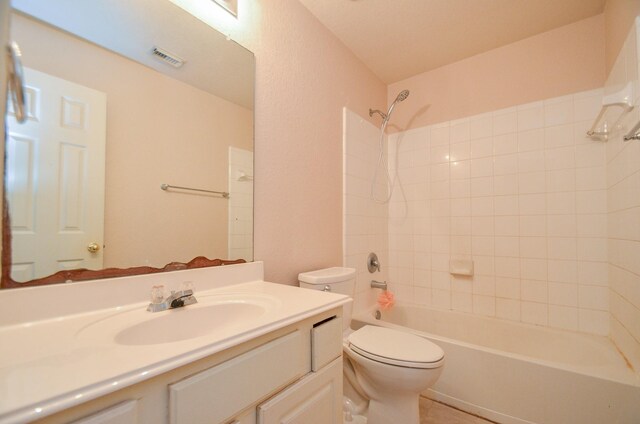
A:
x: 391, y: 367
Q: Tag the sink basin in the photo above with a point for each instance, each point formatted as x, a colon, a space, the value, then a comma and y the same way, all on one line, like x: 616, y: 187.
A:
x: 186, y: 323
x: 214, y: 313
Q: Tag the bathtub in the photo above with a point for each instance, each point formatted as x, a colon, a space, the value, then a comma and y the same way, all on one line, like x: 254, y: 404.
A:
x: 517, y: 373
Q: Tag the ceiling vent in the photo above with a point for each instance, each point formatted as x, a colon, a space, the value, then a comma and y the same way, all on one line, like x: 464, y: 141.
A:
x: 167, y: 57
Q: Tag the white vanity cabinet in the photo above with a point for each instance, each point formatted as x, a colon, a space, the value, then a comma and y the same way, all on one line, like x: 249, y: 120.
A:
x: 291, y: 375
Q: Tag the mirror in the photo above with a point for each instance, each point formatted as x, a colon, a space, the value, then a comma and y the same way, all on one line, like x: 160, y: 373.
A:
x: 140, y: 121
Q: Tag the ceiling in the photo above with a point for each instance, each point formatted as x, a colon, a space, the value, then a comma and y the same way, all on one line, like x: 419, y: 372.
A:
x: 397, y: 39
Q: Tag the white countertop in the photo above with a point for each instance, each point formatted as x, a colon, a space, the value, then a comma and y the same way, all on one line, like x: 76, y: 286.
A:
x: 59, y: 362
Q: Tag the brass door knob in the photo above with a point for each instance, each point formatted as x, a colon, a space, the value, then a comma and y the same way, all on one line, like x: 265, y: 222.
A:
x: 93, y: 247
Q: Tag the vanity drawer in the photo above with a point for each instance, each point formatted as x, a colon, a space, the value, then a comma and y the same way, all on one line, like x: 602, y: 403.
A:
x: 218, y: 393
x: 326, y: 342
x: 123, y: 413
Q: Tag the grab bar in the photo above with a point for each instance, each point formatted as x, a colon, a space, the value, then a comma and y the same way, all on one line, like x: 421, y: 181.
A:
x: 634, y: 134
x: 166, y: 187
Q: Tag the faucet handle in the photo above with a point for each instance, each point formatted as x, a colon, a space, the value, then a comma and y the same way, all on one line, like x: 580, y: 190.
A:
x: 157, y: 294
x: 186, y: 285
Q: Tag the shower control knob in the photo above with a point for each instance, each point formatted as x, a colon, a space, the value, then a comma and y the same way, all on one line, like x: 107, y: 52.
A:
x: 373, y: 264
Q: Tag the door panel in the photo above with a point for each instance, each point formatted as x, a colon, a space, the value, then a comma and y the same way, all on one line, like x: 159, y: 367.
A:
x: 55, y: 177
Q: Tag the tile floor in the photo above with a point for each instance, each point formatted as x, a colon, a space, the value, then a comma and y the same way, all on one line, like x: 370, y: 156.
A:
x: 437, y: 413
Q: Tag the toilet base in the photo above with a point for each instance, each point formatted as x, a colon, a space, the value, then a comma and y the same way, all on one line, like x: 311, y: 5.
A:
x: 355, y: 419
x: 400, y: 409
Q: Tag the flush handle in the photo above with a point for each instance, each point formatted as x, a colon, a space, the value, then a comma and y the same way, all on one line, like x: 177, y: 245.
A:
x: 326, y: 288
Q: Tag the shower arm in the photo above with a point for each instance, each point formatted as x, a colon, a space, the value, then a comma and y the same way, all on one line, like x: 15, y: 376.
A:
x: 379, y: 112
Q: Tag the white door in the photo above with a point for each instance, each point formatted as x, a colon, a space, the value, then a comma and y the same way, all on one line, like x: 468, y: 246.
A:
x: 55, y: 177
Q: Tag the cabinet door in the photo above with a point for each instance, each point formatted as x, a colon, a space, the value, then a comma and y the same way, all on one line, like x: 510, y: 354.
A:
x: 216, y: 394
x: 123, y: 413
x: 316, y: 399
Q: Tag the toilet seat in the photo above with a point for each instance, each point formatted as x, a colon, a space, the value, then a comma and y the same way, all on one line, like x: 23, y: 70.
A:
x: 395, y: 347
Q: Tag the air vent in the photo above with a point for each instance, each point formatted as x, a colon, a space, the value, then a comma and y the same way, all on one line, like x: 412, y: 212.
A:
x: 167, y: 57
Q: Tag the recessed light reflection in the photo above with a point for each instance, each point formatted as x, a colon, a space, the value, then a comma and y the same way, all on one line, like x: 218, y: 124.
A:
x: 38, y: 410
x: 115, y: 383
x: 79, y: 395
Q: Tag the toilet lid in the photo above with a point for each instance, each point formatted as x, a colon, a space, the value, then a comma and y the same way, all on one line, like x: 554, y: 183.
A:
x: 395, y: 347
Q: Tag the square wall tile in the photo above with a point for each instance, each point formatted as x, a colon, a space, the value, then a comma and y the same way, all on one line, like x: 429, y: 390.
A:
x: 505, y: 121
x: 481, y: 126
x: 504, y: 185
x: 460, y: 151
x: 531, y: 161
x: 563, y: 271
x: 459, y: 130
x: 481, y: 147
x: 505, y: 143
x: 559, y: 136
x: 558, y: 111
x: 562, y: 180
x: 563, y: 294
x: 481, y: 167
x: 508, y: 288
x: 508, y: 309
x: 530, y: 116
x: 595, y: 322
x: 534, y: 291
x: 507, y: 246
x: 534, y: 313
x: 461, y: 302
x: 564, y: 317
x: 441, y: 299
x: 484, y: 305
x: 593, y: 297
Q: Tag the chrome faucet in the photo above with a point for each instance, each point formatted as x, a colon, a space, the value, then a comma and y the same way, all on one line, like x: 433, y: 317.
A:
x: 177, y: 299
x: 378, y: 284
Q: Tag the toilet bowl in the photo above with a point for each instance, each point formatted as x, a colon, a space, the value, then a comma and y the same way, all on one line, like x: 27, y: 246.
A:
x: 391, y: 367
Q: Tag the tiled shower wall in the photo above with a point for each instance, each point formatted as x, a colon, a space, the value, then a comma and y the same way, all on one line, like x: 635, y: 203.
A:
x: 623, y: 178
x: 240, y: 204
x: 365, y: 221
x: 522, y: 193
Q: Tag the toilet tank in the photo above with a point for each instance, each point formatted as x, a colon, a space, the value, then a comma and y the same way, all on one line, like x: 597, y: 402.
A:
x: 335, y: 280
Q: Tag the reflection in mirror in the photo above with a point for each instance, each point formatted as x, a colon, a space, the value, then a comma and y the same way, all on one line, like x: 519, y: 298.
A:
x: 163, y: 99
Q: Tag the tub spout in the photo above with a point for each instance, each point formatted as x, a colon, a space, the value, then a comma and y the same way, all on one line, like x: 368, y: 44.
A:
x: 378, y: 285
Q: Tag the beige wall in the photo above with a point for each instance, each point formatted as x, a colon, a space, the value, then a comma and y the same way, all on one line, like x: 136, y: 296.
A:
x: 562, y: 61
x: 618, y: 16
x: 159, y: 130
x: 304, y: 76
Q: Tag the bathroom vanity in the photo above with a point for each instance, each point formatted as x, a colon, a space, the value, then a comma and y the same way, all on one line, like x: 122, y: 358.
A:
x: 248, y: 352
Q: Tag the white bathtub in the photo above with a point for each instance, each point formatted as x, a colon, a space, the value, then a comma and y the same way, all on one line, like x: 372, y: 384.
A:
x: 517, y: 373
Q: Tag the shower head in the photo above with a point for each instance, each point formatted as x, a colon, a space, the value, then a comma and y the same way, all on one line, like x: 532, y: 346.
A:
x: 402, y: 95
